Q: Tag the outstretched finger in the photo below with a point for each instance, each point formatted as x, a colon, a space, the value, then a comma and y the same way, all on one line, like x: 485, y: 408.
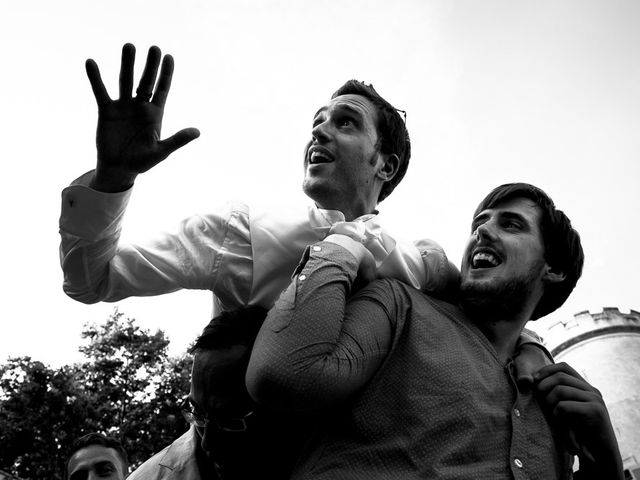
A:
x: 164, y: 81
x: 99, y: 90
x: 126, y: 70
x: 180, y: 139
x: 148, y: 79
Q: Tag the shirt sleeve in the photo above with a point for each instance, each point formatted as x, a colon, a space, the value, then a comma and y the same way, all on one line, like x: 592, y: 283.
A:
x: 315, y: 348
x: 531, y: 356
x: 97, y: 266
x: 441, y: 277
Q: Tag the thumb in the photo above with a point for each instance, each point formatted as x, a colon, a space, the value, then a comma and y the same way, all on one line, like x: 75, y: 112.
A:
x: 178, y: 140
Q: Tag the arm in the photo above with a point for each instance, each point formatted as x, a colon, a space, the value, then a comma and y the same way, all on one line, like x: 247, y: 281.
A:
x: 422, y: 264
x: 581, y: 414
x: 95, y: 265
x: 315, y: 348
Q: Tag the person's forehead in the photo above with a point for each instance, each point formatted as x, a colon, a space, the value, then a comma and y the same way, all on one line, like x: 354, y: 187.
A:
x: 219, y: 358
x: 353, y: 102
x: 521, y: 206
x: 209, y: 365
x: 91, y: 455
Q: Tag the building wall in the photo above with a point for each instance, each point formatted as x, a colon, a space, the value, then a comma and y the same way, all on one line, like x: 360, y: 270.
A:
x: 605, y: 349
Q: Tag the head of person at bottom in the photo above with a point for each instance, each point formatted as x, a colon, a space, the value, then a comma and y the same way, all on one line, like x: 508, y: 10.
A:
x: 95, y: 456
x: 218, y: 405
x: 358, y: 153
x: 523, y: 257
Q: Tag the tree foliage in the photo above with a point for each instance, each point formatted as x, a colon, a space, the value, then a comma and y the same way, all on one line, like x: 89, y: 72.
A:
x: 128, y: 387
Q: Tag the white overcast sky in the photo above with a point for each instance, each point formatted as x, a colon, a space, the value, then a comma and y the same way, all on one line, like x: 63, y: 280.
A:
x: 544, y: 91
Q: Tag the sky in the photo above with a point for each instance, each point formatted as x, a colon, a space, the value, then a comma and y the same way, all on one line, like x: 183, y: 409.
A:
x: 544, y: 91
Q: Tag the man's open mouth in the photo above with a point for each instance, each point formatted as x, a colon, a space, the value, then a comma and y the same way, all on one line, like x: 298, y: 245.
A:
x: 485, y: 259
x: 319, y: 155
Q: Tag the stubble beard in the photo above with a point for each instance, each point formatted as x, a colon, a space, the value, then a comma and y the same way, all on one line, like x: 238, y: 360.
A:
x: 321, y: 190
x: 497, y: 299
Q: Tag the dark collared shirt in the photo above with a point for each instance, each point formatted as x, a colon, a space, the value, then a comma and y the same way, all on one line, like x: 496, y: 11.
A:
x: 428, y: 396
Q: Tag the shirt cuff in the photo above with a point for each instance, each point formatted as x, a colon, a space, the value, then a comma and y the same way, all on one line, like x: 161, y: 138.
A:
x: 89, y: 214
x: 355, y: 248
x: 332, y: 249
x: 529, y: 337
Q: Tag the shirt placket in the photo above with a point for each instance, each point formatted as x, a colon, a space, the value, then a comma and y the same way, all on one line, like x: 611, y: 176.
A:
x: 518, y: 445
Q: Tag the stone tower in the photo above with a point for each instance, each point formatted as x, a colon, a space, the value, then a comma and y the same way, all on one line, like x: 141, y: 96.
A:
x: 605, y: 349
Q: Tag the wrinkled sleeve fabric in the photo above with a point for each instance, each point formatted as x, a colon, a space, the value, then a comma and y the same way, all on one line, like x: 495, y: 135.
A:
x: 315, y: 348
x: 441, y: 277
x: 97, y: 266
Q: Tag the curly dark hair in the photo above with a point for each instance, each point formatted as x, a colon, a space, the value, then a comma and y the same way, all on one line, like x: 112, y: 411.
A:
x: 231, y: 328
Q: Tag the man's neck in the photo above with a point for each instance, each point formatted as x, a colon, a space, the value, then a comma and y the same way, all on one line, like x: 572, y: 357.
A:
x: 503, y: 335
x: 350, y: 214
x: 501, y: 329
x: 351, y: 208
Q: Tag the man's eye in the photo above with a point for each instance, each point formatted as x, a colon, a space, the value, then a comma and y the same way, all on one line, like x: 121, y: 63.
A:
x: 317, y: 121
x: 513, y: 225
x: 345, y: 122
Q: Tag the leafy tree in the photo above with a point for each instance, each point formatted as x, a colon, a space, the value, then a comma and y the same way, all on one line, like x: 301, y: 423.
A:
x: 128, y: 387
x: 129, y: 367
x: 38, y: 416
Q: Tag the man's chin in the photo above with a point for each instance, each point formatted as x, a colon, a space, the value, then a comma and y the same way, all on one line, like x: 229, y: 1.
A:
x: 317, y: 189
x: 491, y: 298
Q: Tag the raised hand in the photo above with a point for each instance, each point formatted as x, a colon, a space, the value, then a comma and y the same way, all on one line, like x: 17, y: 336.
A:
x: 128, y: 133
x: 579, y: 410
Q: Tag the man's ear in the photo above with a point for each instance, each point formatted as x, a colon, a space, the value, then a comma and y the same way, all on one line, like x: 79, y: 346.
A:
x: 389, y: 168
x: 553, y: 275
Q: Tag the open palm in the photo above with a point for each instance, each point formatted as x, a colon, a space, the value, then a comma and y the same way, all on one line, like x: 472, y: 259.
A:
x: 128, y: 133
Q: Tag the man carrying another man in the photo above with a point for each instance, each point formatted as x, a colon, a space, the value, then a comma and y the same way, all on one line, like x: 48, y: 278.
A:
x: 431, y: 385
x: 358, y: 152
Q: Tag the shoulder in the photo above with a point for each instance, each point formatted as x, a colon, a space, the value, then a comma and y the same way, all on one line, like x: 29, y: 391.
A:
x: 230, y: 216
x: 149, y: 470
x: 392, y: 291
x: 177, y: 457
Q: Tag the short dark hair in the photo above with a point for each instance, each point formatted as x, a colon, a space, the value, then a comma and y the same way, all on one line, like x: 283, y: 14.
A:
x: 562, y: 248
x: 96, y: 438
x: 235, y: 327
x: 392, y: 131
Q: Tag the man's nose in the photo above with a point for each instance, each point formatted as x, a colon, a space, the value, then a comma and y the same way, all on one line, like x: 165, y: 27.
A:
x: 320, y: 132
x: 485, y: 231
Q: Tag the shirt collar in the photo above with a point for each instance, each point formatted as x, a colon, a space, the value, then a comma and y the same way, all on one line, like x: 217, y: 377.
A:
x: 181, y: 454
x: 320, y: 218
